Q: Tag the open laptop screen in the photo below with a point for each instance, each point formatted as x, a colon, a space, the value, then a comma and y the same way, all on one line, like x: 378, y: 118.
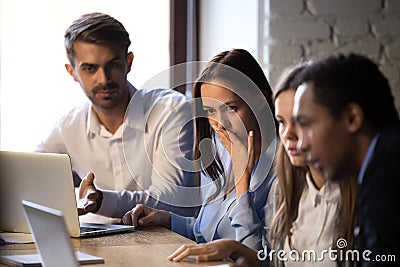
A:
x: 42, y: 178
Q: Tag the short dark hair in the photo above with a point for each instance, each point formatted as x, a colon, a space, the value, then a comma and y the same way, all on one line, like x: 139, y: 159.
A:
x: 95, y: 28
x: 341, y: 79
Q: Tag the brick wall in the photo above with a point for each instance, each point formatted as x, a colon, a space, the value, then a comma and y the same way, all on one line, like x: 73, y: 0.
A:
x: 310, y: 29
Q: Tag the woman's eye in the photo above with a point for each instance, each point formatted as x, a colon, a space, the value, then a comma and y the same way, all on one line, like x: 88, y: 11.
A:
x: 210, y: 111
x: 231, y: 108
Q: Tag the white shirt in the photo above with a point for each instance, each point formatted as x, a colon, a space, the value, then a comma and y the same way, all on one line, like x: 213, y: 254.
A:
x: 315, y: 227
x: 150, y: 153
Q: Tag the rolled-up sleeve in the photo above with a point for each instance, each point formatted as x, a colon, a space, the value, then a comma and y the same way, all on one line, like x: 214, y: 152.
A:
x: 244, y: 219
x: 116, y: 203
x: 183, y: 225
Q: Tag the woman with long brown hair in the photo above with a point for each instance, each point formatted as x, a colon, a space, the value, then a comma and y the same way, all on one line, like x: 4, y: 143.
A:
x: 311, y: 213
x: 304, y: 211
x: 235, y: 145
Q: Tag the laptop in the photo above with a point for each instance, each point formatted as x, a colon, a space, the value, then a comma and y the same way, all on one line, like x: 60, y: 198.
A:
x: 45, y: 179
x: 52, y: 241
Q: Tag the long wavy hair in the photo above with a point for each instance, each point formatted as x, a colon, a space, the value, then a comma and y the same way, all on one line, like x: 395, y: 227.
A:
x: 237, y: 67
x: 292, y: 181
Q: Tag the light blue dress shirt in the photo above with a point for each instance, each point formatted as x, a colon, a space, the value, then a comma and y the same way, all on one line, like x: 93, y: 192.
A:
x: 368, y: 158
x: 241, y: 220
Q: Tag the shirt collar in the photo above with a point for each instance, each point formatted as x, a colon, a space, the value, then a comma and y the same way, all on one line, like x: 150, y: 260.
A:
x: 138, y: 110
x: 330, y: 191
x: 264, y: 165
x: 93, y: 124
x: 368, y: 158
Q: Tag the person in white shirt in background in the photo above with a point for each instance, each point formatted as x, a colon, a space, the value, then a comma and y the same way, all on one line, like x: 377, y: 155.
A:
x: 309, y: 212
x: 141, y: 157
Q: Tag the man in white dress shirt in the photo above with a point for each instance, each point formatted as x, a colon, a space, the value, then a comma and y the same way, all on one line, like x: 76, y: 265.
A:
x: 141, y: 157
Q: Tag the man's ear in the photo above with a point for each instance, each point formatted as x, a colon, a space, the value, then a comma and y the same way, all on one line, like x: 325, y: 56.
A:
x: 71, y: 71
x: 130, y: 59
x: 354, y: 116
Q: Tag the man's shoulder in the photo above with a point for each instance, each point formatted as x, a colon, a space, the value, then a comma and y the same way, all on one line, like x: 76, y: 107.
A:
x: 161, y: 95
x: 378, y: 211
x: 75, y: 114
x: 157, y: 106
x: 381, y: 178
x: 389, y: 140
x: 386, y: 156
x: 393, y: 129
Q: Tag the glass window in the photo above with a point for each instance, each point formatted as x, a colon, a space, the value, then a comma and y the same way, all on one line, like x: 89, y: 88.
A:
x: 35, y: 88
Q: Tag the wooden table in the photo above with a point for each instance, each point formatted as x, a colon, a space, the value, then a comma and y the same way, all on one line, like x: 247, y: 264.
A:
x: 145, y: 247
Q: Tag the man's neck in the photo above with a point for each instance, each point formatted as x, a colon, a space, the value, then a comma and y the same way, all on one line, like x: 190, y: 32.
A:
x: 112, y: 119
